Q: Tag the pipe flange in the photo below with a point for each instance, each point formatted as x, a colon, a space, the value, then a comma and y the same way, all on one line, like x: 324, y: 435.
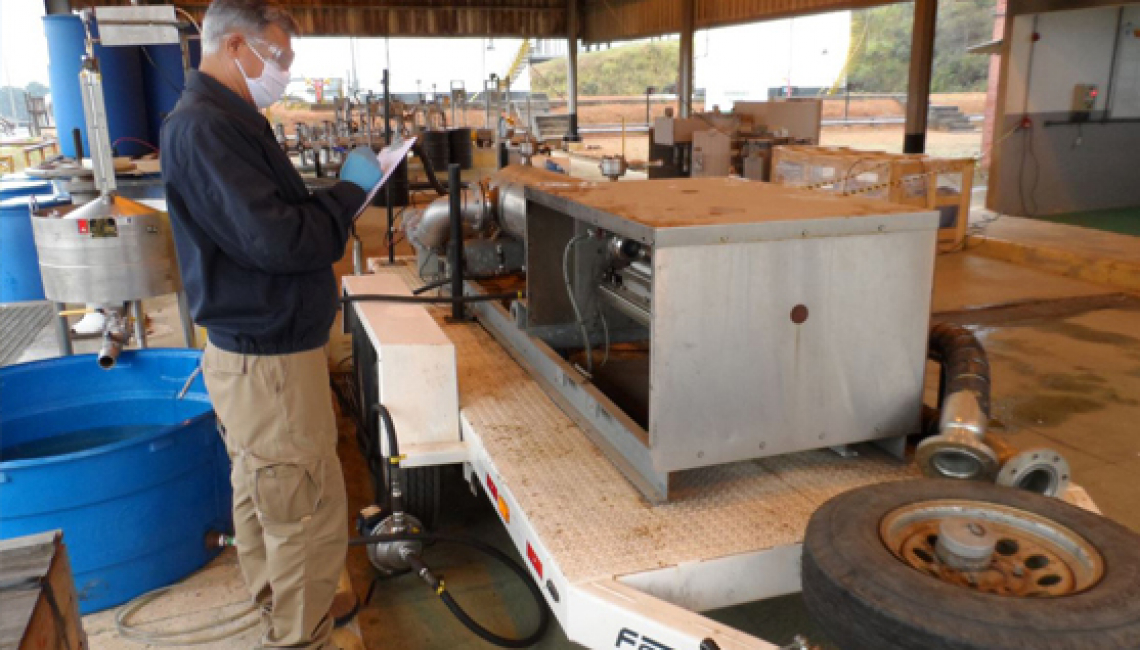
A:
x: 1041, y: 470
x: 957, y: 454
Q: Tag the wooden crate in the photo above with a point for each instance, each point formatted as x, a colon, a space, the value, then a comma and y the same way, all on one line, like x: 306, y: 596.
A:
x: 941, y: 184
x: 38, y: 605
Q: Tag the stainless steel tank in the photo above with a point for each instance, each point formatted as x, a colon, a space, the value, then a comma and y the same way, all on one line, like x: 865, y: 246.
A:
x: 111, y: 250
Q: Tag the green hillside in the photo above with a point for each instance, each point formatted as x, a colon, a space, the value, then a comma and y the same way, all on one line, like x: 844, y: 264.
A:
x: 625, y: 70
x: 882, y: 37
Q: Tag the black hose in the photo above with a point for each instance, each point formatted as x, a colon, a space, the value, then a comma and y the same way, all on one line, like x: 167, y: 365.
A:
x: 455, y: 608
x: 418, y: 150
x: 395, y: 495
x: 446, y: 281
x: 431, y: 285
x: 446, y: 300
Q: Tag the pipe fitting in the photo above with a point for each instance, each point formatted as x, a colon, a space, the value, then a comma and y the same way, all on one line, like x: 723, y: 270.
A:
x: 1041, y: 470
x: 959, y: 450
x: 431, y: 229
x: 116, y: 336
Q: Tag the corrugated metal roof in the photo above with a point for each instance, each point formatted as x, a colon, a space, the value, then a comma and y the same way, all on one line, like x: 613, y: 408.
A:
x: 615, y: 20
x: 534, y: 18
x: 602, y: 20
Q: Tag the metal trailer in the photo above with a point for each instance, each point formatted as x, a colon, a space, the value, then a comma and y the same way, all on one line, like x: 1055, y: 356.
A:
x: 616, y: 570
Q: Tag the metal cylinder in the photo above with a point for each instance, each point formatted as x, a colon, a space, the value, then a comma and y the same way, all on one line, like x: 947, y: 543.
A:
x: 510, y: 186
x: 108, y: 257
x: 437, y: 148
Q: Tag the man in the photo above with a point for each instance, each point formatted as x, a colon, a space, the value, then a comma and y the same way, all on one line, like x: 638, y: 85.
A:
x: 256, y: 251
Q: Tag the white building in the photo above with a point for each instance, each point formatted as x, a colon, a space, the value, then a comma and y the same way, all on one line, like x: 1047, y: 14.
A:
x: 745, y: 61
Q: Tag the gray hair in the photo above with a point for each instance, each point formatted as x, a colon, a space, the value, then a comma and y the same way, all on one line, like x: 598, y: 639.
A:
x: 242, y: 17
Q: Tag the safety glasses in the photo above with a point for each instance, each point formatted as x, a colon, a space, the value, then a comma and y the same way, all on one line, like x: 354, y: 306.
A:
x: 282, y: 57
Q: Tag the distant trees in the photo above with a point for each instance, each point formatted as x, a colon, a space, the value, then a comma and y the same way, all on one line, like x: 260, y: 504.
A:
x: 623, y: 70
x: 12, y: 104
x: 883, y: 35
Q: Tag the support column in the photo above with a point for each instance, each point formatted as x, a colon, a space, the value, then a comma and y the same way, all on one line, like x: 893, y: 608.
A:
x: 573, y: 17
x: 685, y: 67
x: 918, y: 87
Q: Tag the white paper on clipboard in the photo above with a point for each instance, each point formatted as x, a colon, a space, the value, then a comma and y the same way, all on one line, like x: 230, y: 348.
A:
x: 390, y: 158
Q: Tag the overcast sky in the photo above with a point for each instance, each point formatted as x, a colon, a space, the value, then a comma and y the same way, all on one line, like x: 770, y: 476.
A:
x: 23, y: 55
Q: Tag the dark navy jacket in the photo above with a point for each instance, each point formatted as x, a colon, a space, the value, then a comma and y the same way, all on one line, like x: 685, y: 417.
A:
x: 255, y: 247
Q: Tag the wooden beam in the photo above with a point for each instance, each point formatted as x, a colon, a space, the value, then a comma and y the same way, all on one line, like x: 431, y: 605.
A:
x: 921, y: 64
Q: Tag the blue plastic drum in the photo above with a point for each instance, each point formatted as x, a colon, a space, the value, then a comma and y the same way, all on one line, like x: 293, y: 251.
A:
x: 19, y: 262
x: 134, y: 476
x: 121, y: 70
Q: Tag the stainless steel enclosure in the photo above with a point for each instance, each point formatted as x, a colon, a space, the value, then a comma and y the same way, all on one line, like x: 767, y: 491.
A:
x: 777, y: 319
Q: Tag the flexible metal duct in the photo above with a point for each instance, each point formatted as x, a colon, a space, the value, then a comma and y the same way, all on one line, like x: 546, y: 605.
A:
x: 430, y: 229
x: 502, y: 203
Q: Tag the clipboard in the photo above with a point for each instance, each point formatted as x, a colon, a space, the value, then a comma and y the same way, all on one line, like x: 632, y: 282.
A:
x: 389, y: 158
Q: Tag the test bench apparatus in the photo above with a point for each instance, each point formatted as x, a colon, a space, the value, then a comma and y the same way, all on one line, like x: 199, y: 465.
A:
x: 693, y: 322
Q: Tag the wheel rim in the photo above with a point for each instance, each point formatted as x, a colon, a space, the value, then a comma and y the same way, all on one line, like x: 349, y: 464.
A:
x: 1029, y: 555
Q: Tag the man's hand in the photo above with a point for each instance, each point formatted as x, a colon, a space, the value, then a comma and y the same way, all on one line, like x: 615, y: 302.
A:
x: 361, y: 168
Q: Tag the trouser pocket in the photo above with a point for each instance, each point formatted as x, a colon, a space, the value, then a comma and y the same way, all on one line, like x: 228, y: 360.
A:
x: 285, y: 492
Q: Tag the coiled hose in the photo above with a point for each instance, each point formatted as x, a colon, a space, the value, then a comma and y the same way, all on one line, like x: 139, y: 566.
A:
x: 438, y: 585
x: 454, y: 607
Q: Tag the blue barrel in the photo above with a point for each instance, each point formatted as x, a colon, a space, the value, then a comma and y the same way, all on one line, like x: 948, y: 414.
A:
x: 164, y: 78
x: 19, y: 263
x: 122, y: 87
x: 134, y: 476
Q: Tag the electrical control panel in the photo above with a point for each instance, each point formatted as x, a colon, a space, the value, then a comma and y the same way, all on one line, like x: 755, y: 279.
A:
x: 1084, y: 101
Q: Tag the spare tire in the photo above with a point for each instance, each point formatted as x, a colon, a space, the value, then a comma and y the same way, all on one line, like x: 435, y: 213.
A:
x: 875, y: 578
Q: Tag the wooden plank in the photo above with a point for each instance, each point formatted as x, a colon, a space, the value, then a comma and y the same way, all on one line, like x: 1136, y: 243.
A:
x: 34, y: 572
x: 684, y: 202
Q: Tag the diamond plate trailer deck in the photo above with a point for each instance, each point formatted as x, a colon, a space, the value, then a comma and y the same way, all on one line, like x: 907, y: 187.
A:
x: 616, y: 570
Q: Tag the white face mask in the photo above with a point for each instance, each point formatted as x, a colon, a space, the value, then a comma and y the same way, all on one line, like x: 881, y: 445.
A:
x: 270, y: 86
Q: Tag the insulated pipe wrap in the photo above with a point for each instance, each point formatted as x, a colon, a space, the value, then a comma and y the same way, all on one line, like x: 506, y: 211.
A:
x: 964, y: 362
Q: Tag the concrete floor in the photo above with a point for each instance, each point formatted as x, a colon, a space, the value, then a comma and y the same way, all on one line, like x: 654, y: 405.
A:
x: 1066, y: 370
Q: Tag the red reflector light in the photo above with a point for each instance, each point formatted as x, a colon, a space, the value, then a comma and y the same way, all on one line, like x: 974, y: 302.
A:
x: 534, y: 561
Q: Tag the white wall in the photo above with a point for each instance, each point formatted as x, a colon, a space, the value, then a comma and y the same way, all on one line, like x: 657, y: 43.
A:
x: 1126, y: 92
x: 744, y: 61
x: 1075, y: 48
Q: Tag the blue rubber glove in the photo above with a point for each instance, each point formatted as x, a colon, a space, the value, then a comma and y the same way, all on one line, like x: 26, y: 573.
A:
x: 361, y: 168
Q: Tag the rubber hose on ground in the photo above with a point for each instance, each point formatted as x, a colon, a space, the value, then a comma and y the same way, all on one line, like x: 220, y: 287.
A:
x: 455, y: 608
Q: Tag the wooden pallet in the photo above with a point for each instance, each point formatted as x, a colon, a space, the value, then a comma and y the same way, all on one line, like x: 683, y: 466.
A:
x: 942, y: 184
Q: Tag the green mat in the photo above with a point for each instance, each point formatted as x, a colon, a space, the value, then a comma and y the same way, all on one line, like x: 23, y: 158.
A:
x: 1125, y: 221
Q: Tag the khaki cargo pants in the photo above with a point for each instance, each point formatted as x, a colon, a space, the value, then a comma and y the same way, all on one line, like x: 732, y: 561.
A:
x: 290, y: 518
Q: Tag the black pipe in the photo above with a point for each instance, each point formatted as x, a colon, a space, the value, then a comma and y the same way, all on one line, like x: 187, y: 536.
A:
x: 1102, y: 121
x: 388, y: 189
x: 395, y: 494
x: 431, y: 285
x: 964, y: 362
x: 456, y: 253
x: 433, y: 300
x: 77, y: 137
